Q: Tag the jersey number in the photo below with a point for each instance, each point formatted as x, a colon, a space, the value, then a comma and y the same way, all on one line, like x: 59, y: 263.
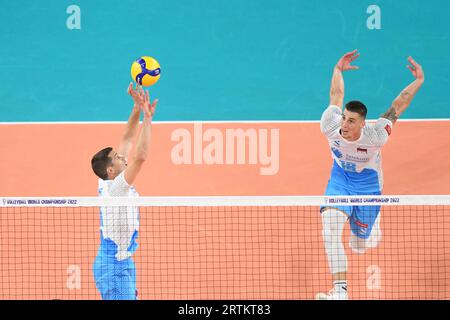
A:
x: 348, y: 166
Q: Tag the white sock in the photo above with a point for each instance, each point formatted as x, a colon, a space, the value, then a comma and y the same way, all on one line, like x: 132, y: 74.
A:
x: 340, y: 285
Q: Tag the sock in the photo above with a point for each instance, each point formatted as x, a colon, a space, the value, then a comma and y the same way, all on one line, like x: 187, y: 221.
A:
x: 340, y: 285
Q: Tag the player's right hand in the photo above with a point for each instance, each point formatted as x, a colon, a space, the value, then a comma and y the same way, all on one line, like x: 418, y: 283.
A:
x: 138, y: 94
x: 345, y: 61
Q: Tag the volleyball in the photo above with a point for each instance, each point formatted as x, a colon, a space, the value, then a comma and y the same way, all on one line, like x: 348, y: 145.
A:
x: 145, y: 71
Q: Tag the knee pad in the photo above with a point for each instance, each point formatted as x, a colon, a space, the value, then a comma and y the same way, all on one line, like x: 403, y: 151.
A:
x: 333, y: 224
x: 357, y: 245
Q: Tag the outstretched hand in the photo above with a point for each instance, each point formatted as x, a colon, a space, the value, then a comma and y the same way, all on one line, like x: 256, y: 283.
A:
x: 345, y: 61
x: 149, y: 108
x: 416, y: 69
x: 137, y: 94
x: 141, y: 98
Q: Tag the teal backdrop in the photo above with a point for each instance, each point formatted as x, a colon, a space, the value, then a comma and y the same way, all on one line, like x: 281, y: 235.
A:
x: 220, y: 59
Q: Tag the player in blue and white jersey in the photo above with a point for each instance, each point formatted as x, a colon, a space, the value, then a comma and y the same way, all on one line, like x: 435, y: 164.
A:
x: 356, y: 151
x: 114, y: 269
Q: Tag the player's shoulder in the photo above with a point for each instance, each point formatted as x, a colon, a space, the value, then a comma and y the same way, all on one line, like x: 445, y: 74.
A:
x: 377, y: 132
x: 120, y: 180
x: 104, y: 184
x: 330, y: 122
x: 332, y: 109
x: 369, y: 129
x: 109, y: 182
x: 115, y: 187
x: 377, y: 125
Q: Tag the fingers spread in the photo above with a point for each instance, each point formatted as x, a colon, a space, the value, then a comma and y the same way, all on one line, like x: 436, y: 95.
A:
x: 130, y: 87
x: 413, y: 62
x: 355, y: 56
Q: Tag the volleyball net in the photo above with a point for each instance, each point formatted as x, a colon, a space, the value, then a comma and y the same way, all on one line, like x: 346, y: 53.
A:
x: 225, y: 248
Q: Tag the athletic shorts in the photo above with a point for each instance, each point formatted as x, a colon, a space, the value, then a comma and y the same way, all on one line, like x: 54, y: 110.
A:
x: 361, y: 218
x: 115, y: 280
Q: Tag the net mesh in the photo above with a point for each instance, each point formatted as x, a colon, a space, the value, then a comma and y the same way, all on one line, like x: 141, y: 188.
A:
x: 225, y: 248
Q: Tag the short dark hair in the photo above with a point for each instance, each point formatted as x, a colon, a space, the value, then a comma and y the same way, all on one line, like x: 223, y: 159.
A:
x: 100, y: 162
x: 358, y: 107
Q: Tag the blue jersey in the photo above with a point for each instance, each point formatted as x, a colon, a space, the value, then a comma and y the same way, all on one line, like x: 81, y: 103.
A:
x: 356, y: 164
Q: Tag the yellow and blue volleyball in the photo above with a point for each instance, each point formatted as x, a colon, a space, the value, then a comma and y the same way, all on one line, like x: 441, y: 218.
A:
x: 145, y: 71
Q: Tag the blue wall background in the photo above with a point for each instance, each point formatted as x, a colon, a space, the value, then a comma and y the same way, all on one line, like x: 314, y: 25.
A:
x: 220, y: 59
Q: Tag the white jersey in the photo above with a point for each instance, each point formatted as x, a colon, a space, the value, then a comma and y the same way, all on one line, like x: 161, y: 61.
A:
x: 357, y: 164
x: 119, y: 225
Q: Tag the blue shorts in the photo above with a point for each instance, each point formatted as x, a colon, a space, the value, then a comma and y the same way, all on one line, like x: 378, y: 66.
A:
x: 361, y: 218
x: 115, y: 280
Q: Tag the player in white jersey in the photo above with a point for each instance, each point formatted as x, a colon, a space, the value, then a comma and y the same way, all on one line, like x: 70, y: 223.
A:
x: 356, y: 150
x: 114, y: 269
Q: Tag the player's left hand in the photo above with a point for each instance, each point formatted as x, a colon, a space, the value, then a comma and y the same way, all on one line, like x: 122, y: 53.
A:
x: 147, y: 107
x: 138, y: 94
x: 416, y: 69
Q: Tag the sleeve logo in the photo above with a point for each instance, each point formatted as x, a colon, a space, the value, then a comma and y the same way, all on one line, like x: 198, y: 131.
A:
x: 388, y: 129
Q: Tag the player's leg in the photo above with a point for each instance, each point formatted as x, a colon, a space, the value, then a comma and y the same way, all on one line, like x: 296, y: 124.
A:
x: 126, y: 282
x: 376, y: 234
x: 115, y: 280
x: 365, y: 227
x: 131, y: 290
x: 333, y: 222
x: 121, y: 286
x: 102, y: 275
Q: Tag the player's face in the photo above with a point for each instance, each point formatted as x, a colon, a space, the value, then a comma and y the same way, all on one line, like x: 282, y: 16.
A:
x: 352, y: 124
x: 119, y: 163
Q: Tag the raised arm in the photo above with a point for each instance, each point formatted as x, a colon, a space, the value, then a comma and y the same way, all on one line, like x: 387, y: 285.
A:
x: 337, y: 81
x: 405, y: 97
x: 126, y: 141
x: 143, y: 140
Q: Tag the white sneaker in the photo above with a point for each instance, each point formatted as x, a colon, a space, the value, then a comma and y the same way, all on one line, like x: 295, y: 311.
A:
x: 332, y: 295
